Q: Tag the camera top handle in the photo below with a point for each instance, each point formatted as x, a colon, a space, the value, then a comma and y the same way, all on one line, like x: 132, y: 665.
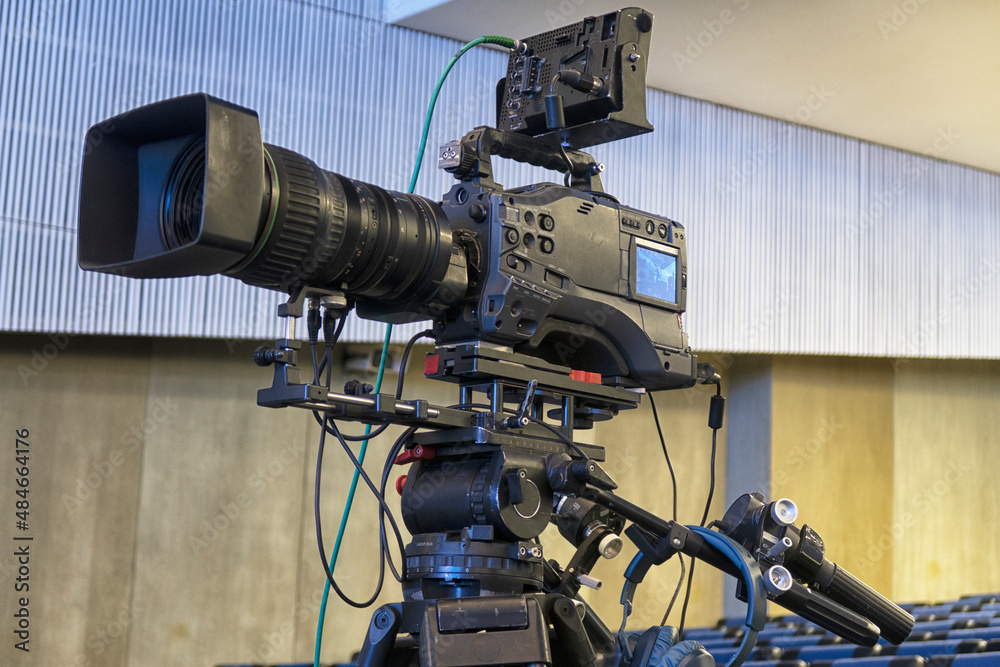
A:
x: 468, y: 158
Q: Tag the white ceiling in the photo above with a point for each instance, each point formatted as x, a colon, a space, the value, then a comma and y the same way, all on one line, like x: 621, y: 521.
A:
x: 920, y: 75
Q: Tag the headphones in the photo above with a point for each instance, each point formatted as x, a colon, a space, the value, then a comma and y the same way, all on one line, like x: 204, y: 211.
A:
x: 658, y: 646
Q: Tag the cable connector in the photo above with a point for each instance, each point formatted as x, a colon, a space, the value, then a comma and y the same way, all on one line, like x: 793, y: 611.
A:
x: 716, y: 411
x: 330, y: 319
x: 313, y: 321
x: 585, y: 83
x: 707, y: 375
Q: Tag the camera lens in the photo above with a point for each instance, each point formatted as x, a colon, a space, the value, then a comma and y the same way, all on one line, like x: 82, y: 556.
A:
x: 184, y: 197
x: 186, y: 187
x: 324, y: 230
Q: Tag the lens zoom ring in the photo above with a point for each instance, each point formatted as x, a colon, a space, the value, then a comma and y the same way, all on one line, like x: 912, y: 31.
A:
x: 311, y: 229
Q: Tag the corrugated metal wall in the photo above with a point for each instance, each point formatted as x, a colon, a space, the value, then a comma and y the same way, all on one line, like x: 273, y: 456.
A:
x: 801, y: 241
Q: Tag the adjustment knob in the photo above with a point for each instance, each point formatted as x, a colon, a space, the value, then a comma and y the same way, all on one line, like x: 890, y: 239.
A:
x: 265, y: 356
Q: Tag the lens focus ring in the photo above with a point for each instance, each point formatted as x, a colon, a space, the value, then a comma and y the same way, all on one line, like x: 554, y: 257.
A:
x: 311, y: 210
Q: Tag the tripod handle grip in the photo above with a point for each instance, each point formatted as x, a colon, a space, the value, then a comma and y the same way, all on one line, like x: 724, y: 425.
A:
x: 828, y: 614
x: 895, y: 624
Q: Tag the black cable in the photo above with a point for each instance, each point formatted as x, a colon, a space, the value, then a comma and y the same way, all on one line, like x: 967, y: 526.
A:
x: 711, y: 485
x: 427, y: 333
x: 362, y: 437
x: 384, y: 507
x: 319, y: 537
x: 677, y: 590
x: 330, y: 337
x: 322, y: 365
x: 569, y: 166
x: 663, y: 445
x: 352, y: 438
x: 704, y: 518
x: 325, y: 364
x: 687, y: 598
x: 673, y: 484
x: 562, y: 135
x: 312, y: 349
x: 390, y: 460
x: 552, y: 82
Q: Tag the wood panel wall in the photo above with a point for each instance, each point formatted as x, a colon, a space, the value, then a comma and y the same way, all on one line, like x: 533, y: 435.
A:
x: 832, y: 453
x: 946, y: 503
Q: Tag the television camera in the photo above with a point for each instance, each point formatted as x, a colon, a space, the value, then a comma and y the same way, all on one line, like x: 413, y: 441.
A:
x: 557, y: 303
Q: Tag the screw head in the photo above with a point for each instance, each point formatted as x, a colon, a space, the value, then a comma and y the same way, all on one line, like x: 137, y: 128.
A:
x: 478, y: 212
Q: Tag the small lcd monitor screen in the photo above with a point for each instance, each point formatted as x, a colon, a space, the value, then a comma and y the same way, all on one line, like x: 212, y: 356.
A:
x: 656, y: 274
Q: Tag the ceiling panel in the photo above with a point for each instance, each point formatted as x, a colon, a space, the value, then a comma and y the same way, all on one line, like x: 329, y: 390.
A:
x: 920, y: 75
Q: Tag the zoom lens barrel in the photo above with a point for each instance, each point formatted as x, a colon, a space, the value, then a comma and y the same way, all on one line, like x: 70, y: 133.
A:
x: 186, y: 187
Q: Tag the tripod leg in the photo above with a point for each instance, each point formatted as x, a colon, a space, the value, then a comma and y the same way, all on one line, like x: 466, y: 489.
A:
x: 381, y: 637
x: 574, y: 644
x: 489, y: 630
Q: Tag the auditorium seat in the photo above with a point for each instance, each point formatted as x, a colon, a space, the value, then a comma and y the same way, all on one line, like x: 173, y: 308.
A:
x: 831, y: 652
x: 974, y: 616
x: 984, y: 598
x: 989, y: 632
x: 942, y: 626
x: 722, y: 642
x: 967, y: 660
x: 878, y: 661
x: 941, y: 647
x: 803, y: 640
x: 917, y: 636
x: 698, y: 634
x: 759, y: 653
x: 940, y: 609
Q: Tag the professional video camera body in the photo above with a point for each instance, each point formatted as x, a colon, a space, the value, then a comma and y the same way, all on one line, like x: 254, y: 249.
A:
x: 557, y: 303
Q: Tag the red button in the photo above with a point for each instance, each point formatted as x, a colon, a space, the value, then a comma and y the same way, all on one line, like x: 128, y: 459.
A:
x: 586, y: 376
x: 431, y: 362
x: 417, y: 453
